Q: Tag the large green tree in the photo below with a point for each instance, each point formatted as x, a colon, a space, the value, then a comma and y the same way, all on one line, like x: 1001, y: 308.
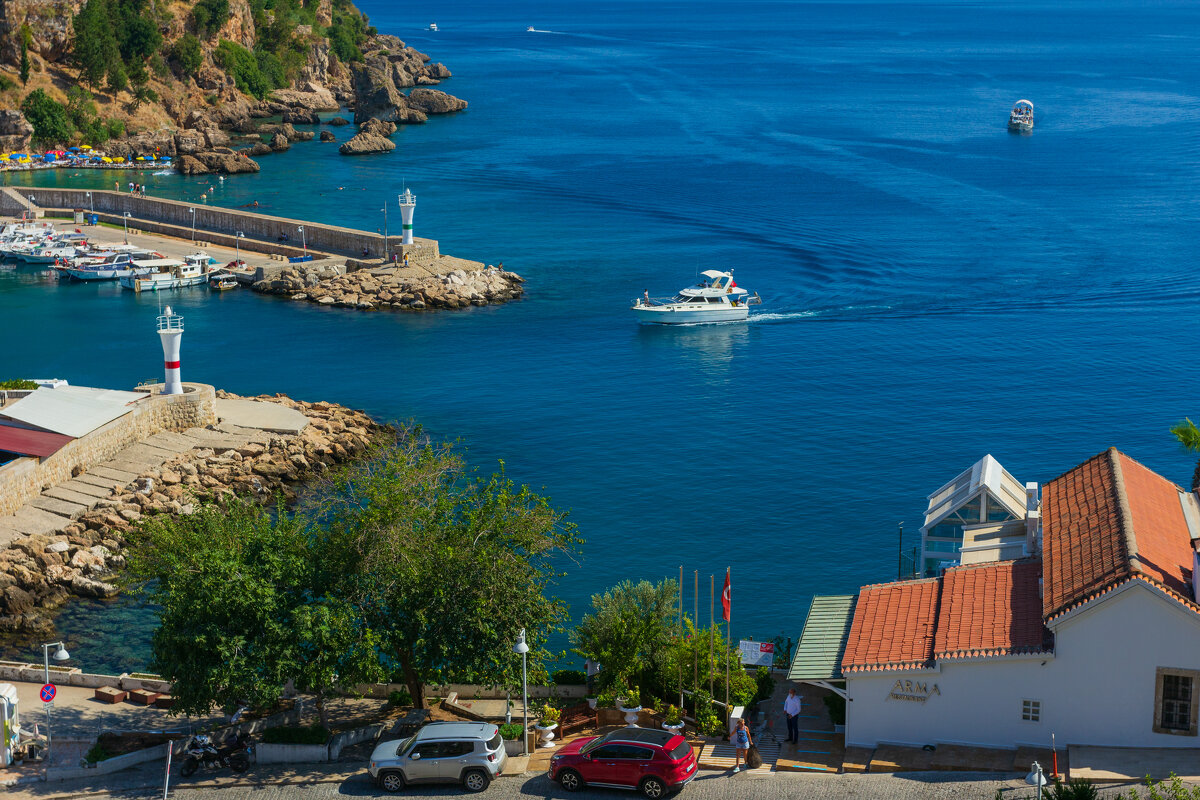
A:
x: 627, y: 625
x: 49, y: 119
x: 247, y: 606
x: 448, y: 566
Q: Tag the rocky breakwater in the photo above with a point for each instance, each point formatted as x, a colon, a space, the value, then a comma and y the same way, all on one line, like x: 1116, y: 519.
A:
x: 40, y: 572
x: 408, y: 289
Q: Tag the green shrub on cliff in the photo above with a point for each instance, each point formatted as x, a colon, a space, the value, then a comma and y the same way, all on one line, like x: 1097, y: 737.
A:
x: 186, y: 55
x: 113, y: 39
x: 49, y: 119
x: 243, y: 66
x: 209, y: 16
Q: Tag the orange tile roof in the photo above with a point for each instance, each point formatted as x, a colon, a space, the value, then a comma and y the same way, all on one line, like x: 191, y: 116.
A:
x: 1107, y: 520
x: 991, y: 609
x: 974, y: 611
x: 893, y: 626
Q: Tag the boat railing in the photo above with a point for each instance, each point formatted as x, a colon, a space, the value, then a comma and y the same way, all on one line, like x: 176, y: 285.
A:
x: 645, y: 300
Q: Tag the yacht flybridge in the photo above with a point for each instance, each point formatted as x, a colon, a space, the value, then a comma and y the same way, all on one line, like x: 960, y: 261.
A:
x: 716, y: 298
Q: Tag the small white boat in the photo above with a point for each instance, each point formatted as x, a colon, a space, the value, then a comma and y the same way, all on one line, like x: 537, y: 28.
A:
x: 221, y: 281
x: 1021, y: 118
x: 716, y: 298
x: 531, y: 29
x: 432, y: 27
x: 168, y: 273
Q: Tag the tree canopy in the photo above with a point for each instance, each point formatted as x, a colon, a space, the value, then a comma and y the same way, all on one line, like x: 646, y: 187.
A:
x: 49, y: 119
x: 628, y: 623
x: 412, y: 566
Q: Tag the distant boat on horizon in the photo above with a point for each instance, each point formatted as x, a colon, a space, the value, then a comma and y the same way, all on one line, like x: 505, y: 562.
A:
x: 432, y: 27
x: 1021, y: 118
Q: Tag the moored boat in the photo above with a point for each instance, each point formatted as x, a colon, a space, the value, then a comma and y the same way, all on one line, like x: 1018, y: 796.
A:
x: 716, y: 298
x: 167, y: 273
x: 221, y: 281
x: 109, y: 265
x: 1021, y: 118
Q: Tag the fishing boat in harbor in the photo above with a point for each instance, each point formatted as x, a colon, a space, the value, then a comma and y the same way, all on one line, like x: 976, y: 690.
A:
x: 169, y: 273
x: 716, y: 298
x: 63, y: 247
x: 109, y: 265
x: 1021, y: 118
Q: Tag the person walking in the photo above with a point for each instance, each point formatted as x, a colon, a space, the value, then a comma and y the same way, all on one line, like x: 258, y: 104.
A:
x: 791, y: 707
x: 741, y: 744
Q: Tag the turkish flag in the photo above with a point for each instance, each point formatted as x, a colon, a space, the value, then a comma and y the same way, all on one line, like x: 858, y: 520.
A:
x: 726, y: 598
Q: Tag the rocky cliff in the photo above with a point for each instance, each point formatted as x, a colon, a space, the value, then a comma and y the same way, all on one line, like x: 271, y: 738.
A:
x: 197, y: 111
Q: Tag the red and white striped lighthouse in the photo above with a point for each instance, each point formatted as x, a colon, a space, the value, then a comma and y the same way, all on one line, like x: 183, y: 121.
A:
x: 170, y: 329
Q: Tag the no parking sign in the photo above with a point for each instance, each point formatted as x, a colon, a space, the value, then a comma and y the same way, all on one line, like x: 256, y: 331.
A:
x: 48, y: 692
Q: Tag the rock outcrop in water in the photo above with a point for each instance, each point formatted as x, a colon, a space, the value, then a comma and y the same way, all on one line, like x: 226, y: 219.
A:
x: 406, y: 289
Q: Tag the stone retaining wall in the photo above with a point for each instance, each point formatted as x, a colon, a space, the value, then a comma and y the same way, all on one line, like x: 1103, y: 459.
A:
x: 220, y: 225
x: 25, y: 478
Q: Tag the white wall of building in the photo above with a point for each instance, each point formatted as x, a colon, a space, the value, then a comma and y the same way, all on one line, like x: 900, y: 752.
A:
x: 1097, y: 689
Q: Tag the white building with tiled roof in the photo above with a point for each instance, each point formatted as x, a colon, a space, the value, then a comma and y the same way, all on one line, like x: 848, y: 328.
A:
x: 1092, y: 635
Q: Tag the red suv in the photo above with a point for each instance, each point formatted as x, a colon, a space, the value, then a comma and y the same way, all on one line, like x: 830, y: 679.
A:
x: 653, y: 762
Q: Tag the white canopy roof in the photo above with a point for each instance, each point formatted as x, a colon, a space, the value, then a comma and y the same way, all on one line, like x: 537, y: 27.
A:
x: 156, y: 262
x: 71, y: 410
x: 986, y: 473
x: 713, y: 274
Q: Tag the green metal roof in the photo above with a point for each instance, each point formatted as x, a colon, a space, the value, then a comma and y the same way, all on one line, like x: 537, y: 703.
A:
x: 819, y: 653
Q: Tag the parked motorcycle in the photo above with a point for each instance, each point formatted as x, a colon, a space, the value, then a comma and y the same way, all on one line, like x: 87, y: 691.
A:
x: 201, y: 752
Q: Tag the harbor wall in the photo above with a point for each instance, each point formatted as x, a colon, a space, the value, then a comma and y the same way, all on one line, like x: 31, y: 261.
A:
x: 218, y: 225
x: 25, y: 478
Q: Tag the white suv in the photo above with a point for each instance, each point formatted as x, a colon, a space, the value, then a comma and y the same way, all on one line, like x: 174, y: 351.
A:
x: 470, y: 753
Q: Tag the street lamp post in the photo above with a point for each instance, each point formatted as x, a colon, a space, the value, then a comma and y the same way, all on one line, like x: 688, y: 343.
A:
x: 59, y: 655
x: 193, y: 213
x: 303, y: 240
x: 237, y: 250
x: 91, y: 202
x: 125, y: 221
x: 385, y: 236
x: 522, y: 648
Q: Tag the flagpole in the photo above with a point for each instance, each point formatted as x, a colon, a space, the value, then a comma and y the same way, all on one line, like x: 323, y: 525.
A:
x: 695, y: 622
x: 681, y: 633
x: 712, y: 628
x: 728, y: 625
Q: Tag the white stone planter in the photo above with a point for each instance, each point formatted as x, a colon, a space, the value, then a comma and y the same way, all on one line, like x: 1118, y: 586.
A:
x: 631, y: 715
x: 592, y: 703
x: 513, y: 747
x: 546, y: 734
x: 673, y: 728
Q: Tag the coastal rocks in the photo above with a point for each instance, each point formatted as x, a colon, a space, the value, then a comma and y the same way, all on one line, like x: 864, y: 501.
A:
x: 364, y: 143
x: 227, y: 163
x: 258, y: 149
x: 327, y: 136
x: 375, y: 92
x: 301, y: 117
x: 314, y: 98
x: 433, y: 101
x: 38, y: 573
x: 15, y: 131
x: 337, y: 122
x: 389, y: 288
x: 279, y: 143
x: 377, y: 127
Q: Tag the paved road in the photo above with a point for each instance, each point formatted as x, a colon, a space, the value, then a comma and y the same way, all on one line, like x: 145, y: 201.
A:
x: 317, y: 784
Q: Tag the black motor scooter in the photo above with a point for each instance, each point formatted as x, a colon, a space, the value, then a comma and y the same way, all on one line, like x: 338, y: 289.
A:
x: 201, y: 752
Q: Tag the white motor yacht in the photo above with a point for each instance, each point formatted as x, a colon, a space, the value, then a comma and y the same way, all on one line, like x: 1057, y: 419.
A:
x: 108, y: 265
x: 432, y: 27
x: 716, y: 298
x: 1021, y: 118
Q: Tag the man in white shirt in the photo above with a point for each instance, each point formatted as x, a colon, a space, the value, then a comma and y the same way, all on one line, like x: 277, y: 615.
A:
x: 791, y: 707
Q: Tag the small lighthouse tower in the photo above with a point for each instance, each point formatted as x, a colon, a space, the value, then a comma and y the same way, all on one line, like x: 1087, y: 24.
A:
x: 170, y: 329
x: 408, y: 203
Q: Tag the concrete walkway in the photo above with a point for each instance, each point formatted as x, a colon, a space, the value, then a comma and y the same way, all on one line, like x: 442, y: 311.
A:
x: 243, y: 422
x: 1125, y: 764
x: 262, y: 416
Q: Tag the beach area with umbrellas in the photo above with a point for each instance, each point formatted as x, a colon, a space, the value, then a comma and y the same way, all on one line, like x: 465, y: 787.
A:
x: 75, y: 157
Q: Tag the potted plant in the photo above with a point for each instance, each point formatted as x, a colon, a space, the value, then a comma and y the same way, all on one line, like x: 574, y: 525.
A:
x: 629, y: 701
x: 673, y: 720
x: 512, y: 732
x: 549, y: 721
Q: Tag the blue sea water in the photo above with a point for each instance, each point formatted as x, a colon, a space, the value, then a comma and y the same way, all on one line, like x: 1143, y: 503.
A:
x: 934, y: 287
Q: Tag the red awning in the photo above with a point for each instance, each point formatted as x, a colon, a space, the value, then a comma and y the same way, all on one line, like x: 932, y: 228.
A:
x: 31, y: 443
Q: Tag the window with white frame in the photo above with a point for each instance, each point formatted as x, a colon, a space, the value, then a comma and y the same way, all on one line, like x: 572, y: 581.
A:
x: 1031, y: 710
